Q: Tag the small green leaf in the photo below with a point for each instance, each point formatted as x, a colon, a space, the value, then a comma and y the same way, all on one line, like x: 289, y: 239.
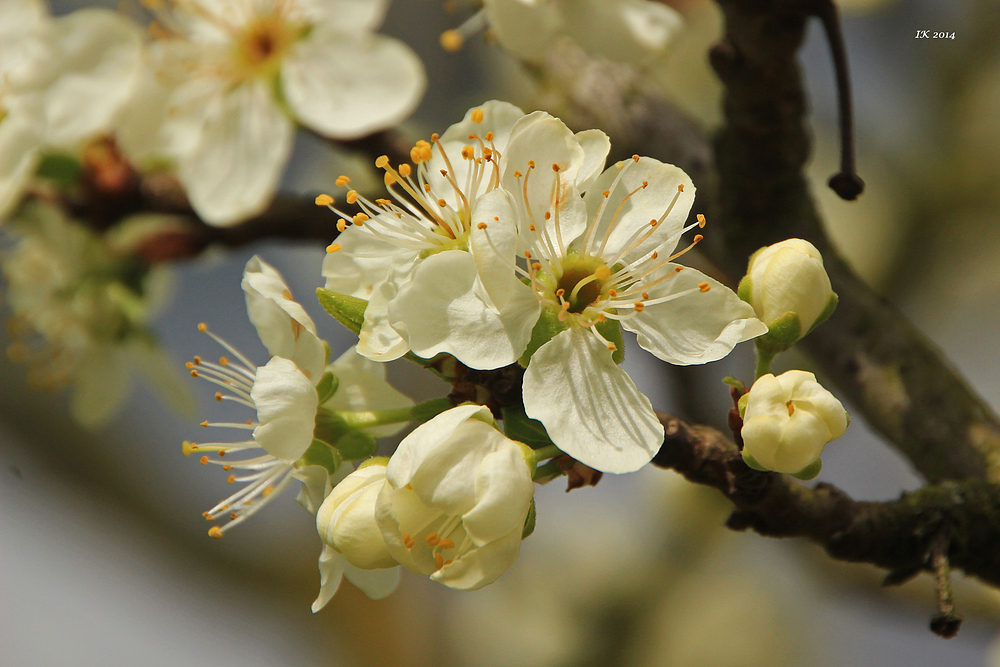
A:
x: 519, y: 426
x: 327, y: 387
x: 809, y: 472
x: 320, y: 454
x: 348, y: 310
x: 742, y: 405
x: 781, y: 334
x: 332, y: 429
x: 529, y: 521
x: 743, y: 290
x: 831, y: 306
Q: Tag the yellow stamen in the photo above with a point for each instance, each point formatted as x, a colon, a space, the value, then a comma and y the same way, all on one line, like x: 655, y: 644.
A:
x: 215, y: 532
x: 451, y: 41
x: 333, y: 247
x: 342, y: 181
x: 477, y: 116
x: 324, y: 200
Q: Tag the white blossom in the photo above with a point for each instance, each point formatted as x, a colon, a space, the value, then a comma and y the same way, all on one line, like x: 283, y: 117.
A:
x: 346, y: 520
x: 80, y: 311
x: 238, y: 77
x: 431, y: 282
x: 62, y: 81
x: 455, y: 499
x: 598, y: 261
x: 623, y: 30
x: 788, y: 421
x: 283, y: 392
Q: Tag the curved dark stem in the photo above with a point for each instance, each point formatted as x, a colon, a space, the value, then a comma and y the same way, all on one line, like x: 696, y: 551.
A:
x: 847, y: 183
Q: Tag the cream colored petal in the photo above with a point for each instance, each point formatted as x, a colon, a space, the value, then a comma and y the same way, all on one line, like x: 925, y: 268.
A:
x: 243, y: 142
x: 362, y: 263
x: 695, y: 328
x: 347, y: 88
x: 639, y: 206
x: 331, y: 572
x: 596, y: 146
x: 286, y: 403
x: 376, y: 584
x: 282, y: 324
x: 481, y: 566
x: 624, y: 30
x: 440, y: 310
x: 590, y: 407
x: 525, y: 29
x: 19, y: 156
x: 378, y: 340
x: 503, y: 490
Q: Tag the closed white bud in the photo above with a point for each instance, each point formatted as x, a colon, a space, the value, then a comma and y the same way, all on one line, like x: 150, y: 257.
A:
x: 789, y: 290
x: 346, y: 519
x: 787, y: 422
x: 456, y: 497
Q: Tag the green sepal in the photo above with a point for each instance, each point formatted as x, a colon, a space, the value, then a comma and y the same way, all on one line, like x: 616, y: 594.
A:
x: 752, y: 462
x: 546, y: 328
x: 741, y: 405
x: 612, y: 331
x: 374, y: 461
x: 735, y: 382
x: 348, y: 310
x: 63, y: 168
x: 519, y: 426
x: 831, y: 306
x: 427, y: 410
x: 356, y: 445
x: 321, y: 454
x: 327, y: 387
x: 333, y: 430
x: 529, y: 521
x: 743, y: 290
x: 781, y: 334
x: 809, y: 472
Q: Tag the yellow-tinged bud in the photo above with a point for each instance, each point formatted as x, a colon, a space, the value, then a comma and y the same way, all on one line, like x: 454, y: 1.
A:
x: 787, y: 422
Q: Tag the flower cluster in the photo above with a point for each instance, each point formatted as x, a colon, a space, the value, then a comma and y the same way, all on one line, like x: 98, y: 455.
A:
x: 505, y: 241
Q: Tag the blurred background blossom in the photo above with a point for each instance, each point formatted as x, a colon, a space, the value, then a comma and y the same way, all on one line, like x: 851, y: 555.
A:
x: 104, y: 547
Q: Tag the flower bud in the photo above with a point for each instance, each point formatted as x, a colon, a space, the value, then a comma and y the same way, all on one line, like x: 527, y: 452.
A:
x: 787, y: 421
x: 346, y: 519
x: 456, y: 498
x: 789, y: 290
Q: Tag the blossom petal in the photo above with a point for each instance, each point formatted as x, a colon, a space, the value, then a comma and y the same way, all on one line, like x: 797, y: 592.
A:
x: 347, y: 519
x: 376, y: 584
x: 100, y: 386
x: 596, y: 146
x: 354, y: 15
x: 347, y: 88
x: 481, y: 566
x: 525, y: 29
x: 503, y: 490
x: 426, y: 439
x: 695, y: 328
x: 440, y: 310
x: 546, y: 142
x: 331, y: 572
x: 19, y: 156
x: 629, y: 224
x: 630, y: 30
x: 234, y: 166
x: 495, y: 247
x: 88, y: 76
x: 282, y: 324
x: 590, y: 407
x: 362, y: 263
x: 378, y: 340
x: 316, y: 486
x: 286, y: 403
x: 499, y: 119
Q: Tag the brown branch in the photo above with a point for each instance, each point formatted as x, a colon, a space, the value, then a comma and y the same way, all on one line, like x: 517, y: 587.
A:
x: 903, y: 536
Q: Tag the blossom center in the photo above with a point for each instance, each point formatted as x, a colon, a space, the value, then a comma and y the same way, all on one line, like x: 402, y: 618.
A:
x: 263, y: 43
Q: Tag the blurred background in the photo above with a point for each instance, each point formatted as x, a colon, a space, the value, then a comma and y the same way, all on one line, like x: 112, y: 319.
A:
x: 104, y: 557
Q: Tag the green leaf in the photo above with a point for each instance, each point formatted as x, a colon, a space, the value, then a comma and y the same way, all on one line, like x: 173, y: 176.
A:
x: 781, y: 334
x: 320, y: 454
x: 348, y: 310
x: 529, y: 521
x: 356, y: 445
x: 519, y: 426
x: 735, y: 382
x: 743, y: 290
x: 327, y: 387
